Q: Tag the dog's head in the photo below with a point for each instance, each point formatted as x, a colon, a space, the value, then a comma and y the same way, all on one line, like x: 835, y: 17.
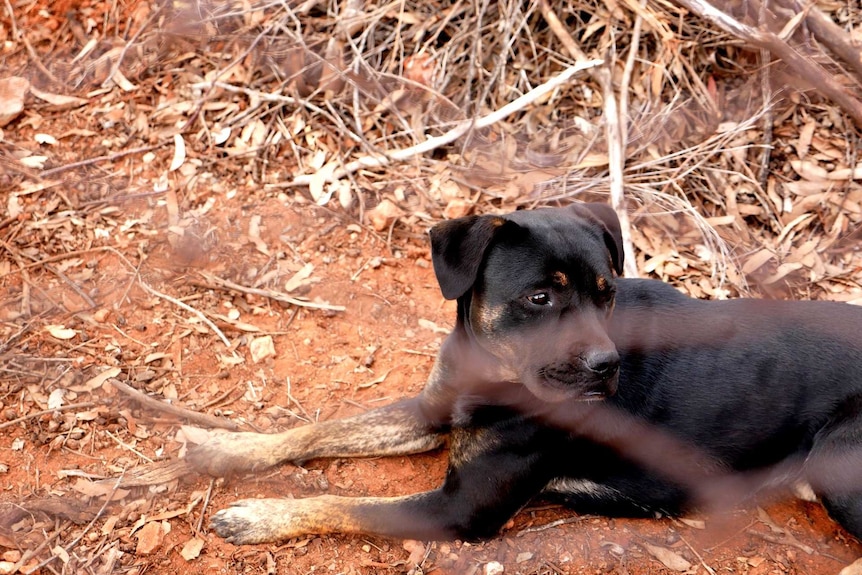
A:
x: 536, y: 289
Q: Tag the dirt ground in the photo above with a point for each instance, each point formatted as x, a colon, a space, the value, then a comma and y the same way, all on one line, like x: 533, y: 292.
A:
x: 327, y: 364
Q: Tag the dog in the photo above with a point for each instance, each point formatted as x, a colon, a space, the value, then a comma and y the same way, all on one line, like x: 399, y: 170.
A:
x: 621, y: 397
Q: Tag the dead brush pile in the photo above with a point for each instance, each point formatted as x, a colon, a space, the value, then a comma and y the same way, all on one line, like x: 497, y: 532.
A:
x: 736, y: 154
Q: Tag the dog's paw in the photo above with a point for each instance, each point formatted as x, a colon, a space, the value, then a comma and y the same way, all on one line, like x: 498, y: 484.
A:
x: 250, y: 521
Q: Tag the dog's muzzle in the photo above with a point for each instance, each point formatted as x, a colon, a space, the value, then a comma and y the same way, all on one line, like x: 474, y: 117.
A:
x: 592, y: 375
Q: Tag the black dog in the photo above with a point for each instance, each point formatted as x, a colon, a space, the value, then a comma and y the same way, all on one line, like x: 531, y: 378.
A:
x: 620, y: 396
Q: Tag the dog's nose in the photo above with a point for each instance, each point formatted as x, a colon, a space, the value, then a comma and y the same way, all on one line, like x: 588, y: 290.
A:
x: 603, y: 363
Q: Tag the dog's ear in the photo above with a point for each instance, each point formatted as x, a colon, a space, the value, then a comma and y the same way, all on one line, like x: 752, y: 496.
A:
x: 606, y: 217
x: 458, y: 248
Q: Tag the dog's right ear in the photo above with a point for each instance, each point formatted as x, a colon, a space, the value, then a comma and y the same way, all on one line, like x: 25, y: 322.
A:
x: 458, y: 248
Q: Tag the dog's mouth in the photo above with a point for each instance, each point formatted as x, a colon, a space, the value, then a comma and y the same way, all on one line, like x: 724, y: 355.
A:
x: 580, y: 388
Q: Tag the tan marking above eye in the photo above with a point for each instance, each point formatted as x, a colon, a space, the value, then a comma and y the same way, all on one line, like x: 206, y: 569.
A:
x: 561, y: 279
x: 601, y: 283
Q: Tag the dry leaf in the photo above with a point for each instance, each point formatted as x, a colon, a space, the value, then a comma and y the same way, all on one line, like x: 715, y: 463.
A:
x: 13, y: 206
x: 55, y: 398
x: 35, y: 162
x: 98, y: 489
x: 299, y: 278
x: 59, y: 101
x: 46, y: 139
x: 60, y: 331
x: 756, y: 261
x: 416, y: 550
x: 457, y: 208
x: 694, y: 523
x: 179, y: 153
x: 60, y: 553
x: 317, y: 182
x: 809, y: 170
x: 193, y: 434
x: 97, y: 381
x: 668, y: 558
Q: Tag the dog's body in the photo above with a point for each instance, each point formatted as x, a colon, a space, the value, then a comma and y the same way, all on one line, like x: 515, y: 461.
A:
x: 620, y: 396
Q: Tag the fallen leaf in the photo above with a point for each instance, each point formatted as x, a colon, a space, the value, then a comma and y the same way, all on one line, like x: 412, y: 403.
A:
x: 97, y: 381
x: 193, y: 434
x: 416, y: 550
x: 61, y: 331
x: 99, y: 489
x: 382, y: 215
x: 55, y: 398
x: 46, y: 139
x: 299, y: 278
x: 694, y: 523
x: 60, y: 553
x: 179, y: 153
x: 317, y: 182
x: 667, y: 557
x: 59, y: 101
x: 36, y: 162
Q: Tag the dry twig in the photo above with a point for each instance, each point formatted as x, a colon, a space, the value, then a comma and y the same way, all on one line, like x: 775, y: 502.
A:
x: 220, y: 283
x: 615, y: 137
x: 387, y: 157
x: 805, y: 67
x: 173, y: 410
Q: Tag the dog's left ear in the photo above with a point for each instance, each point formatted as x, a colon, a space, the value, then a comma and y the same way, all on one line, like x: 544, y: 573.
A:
x: 605, y: 216
x: 457, y: 249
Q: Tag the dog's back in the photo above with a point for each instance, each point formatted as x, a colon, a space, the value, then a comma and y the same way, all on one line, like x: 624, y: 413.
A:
x: 749, y: 381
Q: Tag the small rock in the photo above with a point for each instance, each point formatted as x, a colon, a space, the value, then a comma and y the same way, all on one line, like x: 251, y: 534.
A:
x: 192, y: 548
x: 261, y: 348
x: 493, y: 568
x: 522, y: 557
x: 150, y: 537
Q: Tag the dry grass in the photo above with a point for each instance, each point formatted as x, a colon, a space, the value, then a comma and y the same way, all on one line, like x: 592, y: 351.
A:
x: 328, y: 101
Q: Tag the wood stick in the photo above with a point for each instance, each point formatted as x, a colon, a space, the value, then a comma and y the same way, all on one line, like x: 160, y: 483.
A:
x: 385, y: 158
x: 836, y: 39
x: 614, y: 134
x: 812, y: 73
x: 179, y: 412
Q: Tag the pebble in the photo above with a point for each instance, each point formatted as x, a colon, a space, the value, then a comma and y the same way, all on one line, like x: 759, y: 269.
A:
x: 493, y: 568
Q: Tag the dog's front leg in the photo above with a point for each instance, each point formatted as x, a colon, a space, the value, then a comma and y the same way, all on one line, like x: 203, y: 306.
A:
x: 396, y: 429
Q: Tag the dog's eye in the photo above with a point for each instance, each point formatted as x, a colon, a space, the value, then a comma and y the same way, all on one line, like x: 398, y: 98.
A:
x: 539, y: 298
